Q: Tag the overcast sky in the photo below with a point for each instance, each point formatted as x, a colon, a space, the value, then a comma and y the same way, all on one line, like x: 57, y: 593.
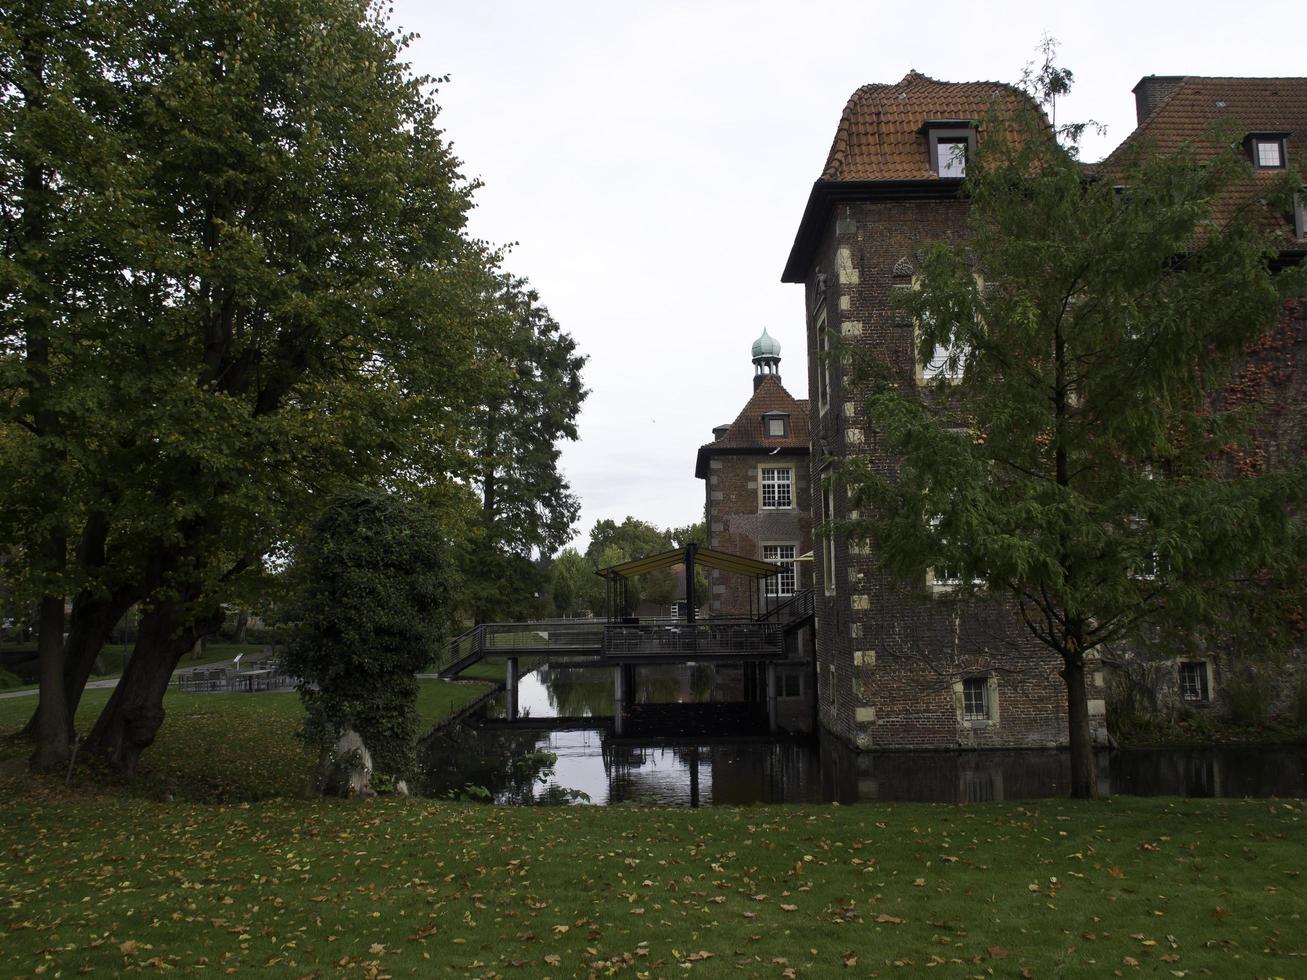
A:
x: 651, y: 162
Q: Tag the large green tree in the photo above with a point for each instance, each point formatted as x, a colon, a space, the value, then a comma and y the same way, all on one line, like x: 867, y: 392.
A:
x: 277, y: 296
x: 533, y: 394
x: 1071, y: 455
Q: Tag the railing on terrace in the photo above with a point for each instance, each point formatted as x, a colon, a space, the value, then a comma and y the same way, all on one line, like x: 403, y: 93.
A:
x: 262, y: 676
x: 798, y: 607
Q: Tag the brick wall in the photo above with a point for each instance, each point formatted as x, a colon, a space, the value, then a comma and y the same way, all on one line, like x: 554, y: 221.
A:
x: 737, y: 523
x: 891, y: 658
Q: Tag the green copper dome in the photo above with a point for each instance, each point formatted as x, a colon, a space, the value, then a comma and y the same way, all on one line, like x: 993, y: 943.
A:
x: 766, y: 345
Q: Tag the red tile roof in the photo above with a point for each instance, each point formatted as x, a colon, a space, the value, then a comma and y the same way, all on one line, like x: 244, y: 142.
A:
x: 879, y: 136
x: 1199, y: 108
x: 746, y: 432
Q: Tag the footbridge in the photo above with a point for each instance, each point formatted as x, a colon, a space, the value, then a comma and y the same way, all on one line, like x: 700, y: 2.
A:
x: 757, y: 642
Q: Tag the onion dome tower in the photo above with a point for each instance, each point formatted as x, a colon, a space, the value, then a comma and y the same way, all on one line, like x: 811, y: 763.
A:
x: 766, y: 358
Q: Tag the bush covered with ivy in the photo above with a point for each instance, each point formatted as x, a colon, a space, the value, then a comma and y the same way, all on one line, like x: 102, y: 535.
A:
x: 378, y: 598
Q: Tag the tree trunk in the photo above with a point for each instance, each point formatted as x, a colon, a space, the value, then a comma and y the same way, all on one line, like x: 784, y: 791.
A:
x: 53, y: 726
x: 93, y: 620
x: 242, y: 626
x: 134, y: 714
x: 1084, y: 779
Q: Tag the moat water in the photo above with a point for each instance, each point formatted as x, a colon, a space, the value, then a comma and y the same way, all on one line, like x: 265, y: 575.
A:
x: 689, y: 740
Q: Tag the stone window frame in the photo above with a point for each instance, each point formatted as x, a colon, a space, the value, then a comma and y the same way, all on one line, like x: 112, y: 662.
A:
x: 774, y: 581
x: 939, y: 583
x: 951, y: 133
x: 992, y: 701
x: 825, y: 395
x: 762, y: 482
x: 828, y: 538
x: 1202, y: 668
x: 1255, y: 142
x: 922, y: 373
x: 782, y: 417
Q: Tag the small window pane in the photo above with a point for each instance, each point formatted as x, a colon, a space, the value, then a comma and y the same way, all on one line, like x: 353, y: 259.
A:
x: 1268, y: 153
x: 975, y: 699
x: 775, y: 427
x: 952, y: 158
x: 776, y: 487
x: 1193, y: 681
x: 782, y: 554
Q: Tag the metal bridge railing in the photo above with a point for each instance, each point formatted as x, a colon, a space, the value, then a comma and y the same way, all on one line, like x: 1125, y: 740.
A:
x: 798, y: 607
x: 710, y: 638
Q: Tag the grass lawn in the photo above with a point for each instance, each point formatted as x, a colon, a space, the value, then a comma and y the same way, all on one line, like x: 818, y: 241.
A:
x: 410, y: 887
x: 216, y: 860
x: 221, y: 747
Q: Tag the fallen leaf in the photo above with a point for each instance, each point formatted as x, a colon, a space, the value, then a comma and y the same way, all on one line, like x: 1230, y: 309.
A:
x: 997, y: 952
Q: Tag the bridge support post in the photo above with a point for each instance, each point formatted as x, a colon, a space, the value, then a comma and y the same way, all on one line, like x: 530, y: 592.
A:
x: 510, y: 685
x: 770, y: 694
x: 619, y: 697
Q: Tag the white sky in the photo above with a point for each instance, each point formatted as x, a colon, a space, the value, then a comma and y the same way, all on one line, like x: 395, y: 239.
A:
x: 652, y: 160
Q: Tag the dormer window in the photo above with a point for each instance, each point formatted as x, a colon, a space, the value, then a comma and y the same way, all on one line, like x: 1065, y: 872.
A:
x: 1267, y: 150
x: 775, y: 425
x: 951, y: 142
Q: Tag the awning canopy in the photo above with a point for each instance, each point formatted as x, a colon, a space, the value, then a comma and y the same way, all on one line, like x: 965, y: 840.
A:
x: 724, y: 561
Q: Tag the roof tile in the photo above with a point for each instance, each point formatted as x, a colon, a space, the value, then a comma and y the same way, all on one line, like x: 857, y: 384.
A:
x: 879, y: 136
x: 1200, y: 107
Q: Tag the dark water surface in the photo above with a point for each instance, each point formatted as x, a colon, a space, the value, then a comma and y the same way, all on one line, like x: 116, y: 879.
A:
x: 690, y: 741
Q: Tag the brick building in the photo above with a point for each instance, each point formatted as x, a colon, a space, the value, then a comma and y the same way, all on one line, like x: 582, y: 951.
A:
x: 1268, y: 117
x: 757, y: 487
x: 896, y: 670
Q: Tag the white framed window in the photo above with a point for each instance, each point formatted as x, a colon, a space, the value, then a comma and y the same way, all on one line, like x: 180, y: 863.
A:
x: 950, y: 141
x: 1268, y: 153
x: 943, y: 363
x: 777, y: 484
x: 1194, y: 688
x: 975, y: 699
x: 952, y: 155
x: 786, y: 583
x: 823, y: 366
x: 1150, y: 567
x: 946, y: 361
x: 828, y: 539
x: 944, y: 575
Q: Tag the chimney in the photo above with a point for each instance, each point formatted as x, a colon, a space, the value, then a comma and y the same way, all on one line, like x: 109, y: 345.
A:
x: 719, y: 430
x: 1151, y: 91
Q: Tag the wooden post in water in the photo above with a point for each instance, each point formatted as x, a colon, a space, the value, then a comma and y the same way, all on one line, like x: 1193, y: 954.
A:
x: 619, y: 699
x: 770, y: 694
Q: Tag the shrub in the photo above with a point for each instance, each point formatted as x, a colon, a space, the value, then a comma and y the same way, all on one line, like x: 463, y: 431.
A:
x: 377, y: 603
x: 8, y: 680
x: 1248, y: 697
x: 1298, y: 704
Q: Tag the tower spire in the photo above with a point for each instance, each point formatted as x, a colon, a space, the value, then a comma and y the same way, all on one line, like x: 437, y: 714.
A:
x: 766, y: 359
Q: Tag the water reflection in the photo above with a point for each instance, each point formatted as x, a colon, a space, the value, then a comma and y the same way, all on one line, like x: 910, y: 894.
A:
x: 673, y: 751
